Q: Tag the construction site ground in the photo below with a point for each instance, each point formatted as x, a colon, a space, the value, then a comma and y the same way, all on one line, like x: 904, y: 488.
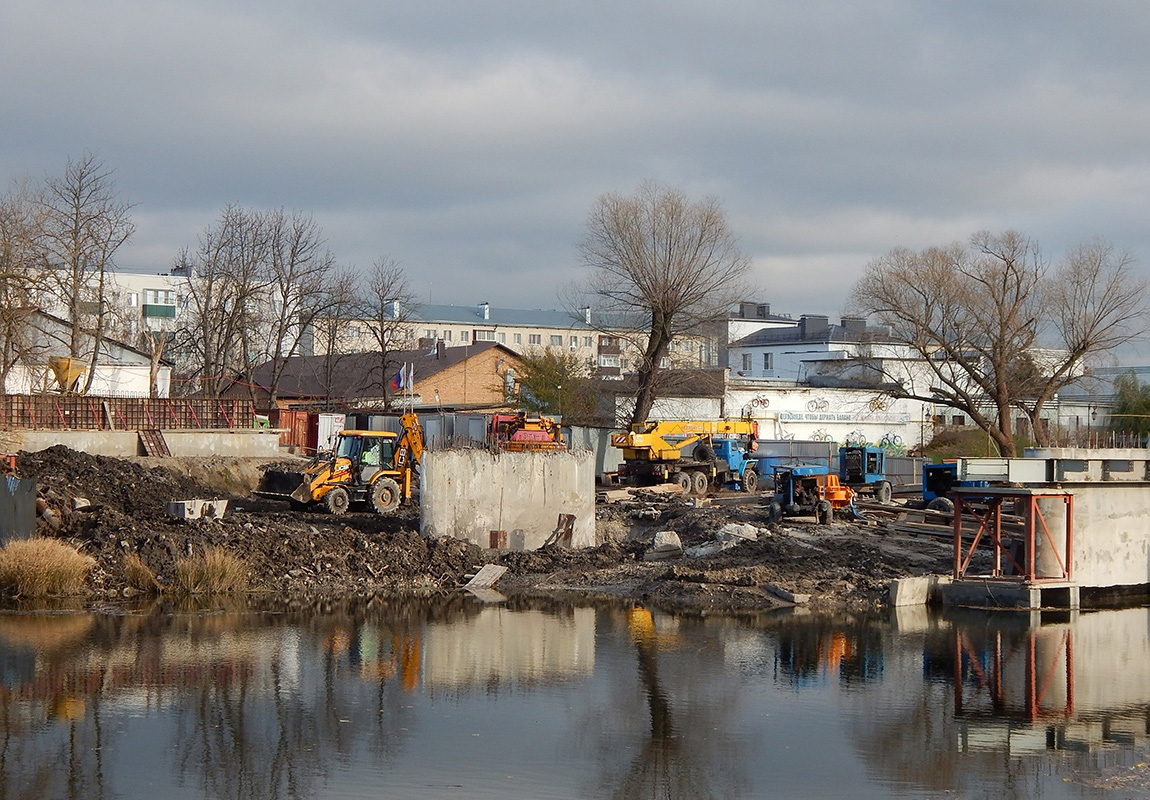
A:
x: 845, y: 564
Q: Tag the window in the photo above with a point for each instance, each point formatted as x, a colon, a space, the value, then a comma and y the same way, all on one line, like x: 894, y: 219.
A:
x: 958, y: 419
x: 159, y: 297
x: 608, y: 341
x: 485, y: 336
x: 464, y: 336
x: 768, y: 361
x: 556, y: 341
x: 573, y: 342
x: 446, y: 335
x: 664, y: 362
x: 133, y: 299
x: 517, y: 338
x: 609, y: 361
x: 586, y: 341
x: 501, y: 338
x: 746, y: 362
x: 429, y: 334
x: 534, y: 338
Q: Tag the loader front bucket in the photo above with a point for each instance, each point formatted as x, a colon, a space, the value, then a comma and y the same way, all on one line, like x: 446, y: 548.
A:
x: 281, y: 485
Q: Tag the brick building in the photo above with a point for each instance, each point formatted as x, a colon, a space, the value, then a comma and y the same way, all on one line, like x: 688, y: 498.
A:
x: 476, y: 375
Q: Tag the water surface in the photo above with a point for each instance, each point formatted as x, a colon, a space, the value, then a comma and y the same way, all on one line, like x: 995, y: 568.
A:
x: 458, y: 699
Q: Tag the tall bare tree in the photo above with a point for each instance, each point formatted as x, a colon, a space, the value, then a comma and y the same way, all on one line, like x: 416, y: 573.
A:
x: 226, y: 278
x: 19, y: 287
x: 995, y: 327
x: 84, y: 223
x: 333, y: 332
x: 661, y: 266
x: 298, y: 274
x: 387, y: 311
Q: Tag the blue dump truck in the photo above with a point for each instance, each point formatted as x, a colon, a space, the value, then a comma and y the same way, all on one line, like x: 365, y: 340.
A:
x: 938, y: 480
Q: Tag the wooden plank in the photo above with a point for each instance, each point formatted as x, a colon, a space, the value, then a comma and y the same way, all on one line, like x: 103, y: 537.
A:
x: 486, y: 577
x: 154, y: 443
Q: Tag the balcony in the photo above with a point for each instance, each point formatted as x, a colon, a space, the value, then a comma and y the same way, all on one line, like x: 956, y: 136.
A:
x: 153, y: 310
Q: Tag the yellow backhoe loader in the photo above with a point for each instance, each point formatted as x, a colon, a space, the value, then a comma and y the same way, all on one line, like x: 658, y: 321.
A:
x: 367, y: 468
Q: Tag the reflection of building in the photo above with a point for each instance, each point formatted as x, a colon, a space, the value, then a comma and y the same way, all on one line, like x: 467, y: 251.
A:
x: 502, y: 646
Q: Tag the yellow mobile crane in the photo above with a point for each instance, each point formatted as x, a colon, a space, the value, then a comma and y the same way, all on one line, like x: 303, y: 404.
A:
x: 691, y: 453
x: 373, y: 468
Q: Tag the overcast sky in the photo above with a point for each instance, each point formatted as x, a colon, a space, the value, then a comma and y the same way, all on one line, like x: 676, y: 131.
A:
x: 468, y: 141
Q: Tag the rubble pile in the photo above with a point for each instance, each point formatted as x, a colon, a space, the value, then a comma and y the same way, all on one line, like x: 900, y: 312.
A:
x: 656, y: 546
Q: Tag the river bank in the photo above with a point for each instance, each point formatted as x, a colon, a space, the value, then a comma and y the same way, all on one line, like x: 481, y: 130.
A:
x: 316, y: 554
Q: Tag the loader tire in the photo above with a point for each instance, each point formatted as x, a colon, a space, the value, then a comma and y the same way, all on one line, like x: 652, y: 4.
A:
x: 700, y: 482
x: 882, y: 492
x: 750, y: 481
x: 385, y: 496
x: 337, y: 500
x: 943, y: 504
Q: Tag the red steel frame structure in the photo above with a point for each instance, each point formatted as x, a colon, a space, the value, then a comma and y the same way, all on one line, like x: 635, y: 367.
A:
x: 990, y: 526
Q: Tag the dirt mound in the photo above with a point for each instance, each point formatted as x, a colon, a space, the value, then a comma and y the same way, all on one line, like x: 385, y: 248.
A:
x: 309, y: 553
x: 129, y: 488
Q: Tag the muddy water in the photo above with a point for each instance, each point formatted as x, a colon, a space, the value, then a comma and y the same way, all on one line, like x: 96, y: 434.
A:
x: 411, y: 698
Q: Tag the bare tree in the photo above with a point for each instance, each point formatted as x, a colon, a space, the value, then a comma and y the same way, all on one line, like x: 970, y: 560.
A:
x: 995, y: 328
x: 333, y: 331
x: 387, y: 309
x: 19, y: 293
x: 84, y: 223
x: 661, y: 266
x: 225, y: 280
x: 299, y: 271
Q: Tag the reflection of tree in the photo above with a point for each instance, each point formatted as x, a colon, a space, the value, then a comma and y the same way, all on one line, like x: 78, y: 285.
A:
x: 665, y: 765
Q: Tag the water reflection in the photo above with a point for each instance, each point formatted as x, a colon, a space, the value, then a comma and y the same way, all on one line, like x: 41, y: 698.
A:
x: 450, y: 697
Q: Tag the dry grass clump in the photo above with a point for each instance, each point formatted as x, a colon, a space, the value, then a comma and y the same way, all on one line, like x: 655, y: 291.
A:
x: 215, y: 572
x: 42, y: 567
x: 139, y: 576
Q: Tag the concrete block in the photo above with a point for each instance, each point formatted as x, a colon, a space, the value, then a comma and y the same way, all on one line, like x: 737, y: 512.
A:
x: 467, y: 494
x: 710, y: 548
x: 667, y: 544
x: 783, y: 594
x: 737, y: 531
x: 197, y: 509
x: 185, y: 509
x: 910, y: 591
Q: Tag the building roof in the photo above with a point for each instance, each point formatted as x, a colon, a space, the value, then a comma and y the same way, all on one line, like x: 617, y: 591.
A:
x: 518, y: 317
x: 817, y: 329
x: 522, y: 317
x: 360, y: 374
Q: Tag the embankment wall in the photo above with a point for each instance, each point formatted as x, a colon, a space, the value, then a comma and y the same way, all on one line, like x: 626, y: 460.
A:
x: 240, y: 443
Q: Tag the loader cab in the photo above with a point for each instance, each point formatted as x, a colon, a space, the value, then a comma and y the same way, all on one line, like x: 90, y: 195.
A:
x: 370, y: 452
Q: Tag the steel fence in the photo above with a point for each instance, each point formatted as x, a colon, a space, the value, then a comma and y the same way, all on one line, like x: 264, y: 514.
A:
x: 86, y: 412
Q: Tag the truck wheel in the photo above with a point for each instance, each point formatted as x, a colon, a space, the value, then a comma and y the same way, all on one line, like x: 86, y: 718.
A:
x: 943, y: 504
x: 700, y: 482
x: 750, y: 480
x: 385, y: 496
x: 683, y: 480
x: 824, y: 514
x: 882, y: 492
x: 337, y: 500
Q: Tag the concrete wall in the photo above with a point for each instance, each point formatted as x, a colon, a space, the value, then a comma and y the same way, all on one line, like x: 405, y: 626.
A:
x: 469, y: 493
x: 1111, y: 537
x: 238, y: 443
